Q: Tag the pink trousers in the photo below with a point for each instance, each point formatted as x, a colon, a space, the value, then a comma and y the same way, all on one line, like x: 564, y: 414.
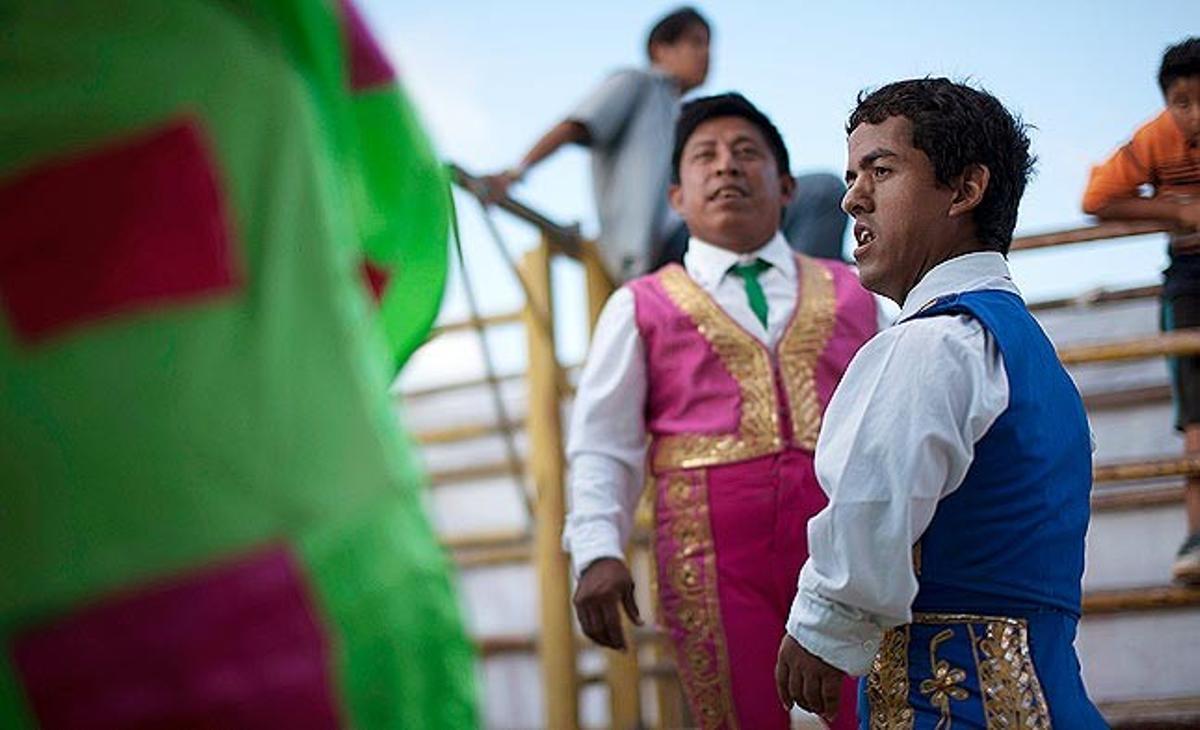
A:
x: 729, y: 542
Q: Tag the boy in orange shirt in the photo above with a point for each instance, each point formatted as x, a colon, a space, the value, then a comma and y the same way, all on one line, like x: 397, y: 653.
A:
x: 1164, y: 154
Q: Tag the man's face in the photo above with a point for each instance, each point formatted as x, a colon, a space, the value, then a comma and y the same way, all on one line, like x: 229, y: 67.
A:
x: 730, y: 192
x: 1183, y: 101
x: 687, y: 58
x: 901, y: 215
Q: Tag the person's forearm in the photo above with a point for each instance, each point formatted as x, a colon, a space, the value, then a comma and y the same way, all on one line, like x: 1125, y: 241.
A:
x: 1154, y: 209
x: 565, y: 132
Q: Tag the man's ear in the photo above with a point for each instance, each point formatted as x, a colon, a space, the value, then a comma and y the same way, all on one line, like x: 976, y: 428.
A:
x: 970, y: 189
x: 787, y: 188
x: 675, y: 197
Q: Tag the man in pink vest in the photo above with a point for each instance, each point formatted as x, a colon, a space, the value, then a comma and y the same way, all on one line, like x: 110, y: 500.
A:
x: 723, y: 368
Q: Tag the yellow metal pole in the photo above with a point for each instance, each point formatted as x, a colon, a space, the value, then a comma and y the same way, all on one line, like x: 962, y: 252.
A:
x: 560, y: 683
x: 621, y: 672
x: 599, y: 284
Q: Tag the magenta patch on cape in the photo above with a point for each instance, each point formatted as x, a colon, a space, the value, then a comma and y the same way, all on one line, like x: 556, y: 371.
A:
x: 368, y: 66
x: 377, y: 279
x: 236, y: 646
x: 136, y: 225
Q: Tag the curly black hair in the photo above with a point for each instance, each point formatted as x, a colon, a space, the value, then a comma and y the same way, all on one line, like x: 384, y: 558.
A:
x: 670, y: 27
x: 1180, y: 61
x: 698, y: 111
x: 955, y: 126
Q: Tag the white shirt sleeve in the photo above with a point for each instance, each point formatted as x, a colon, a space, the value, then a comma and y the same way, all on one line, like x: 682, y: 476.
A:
x: 899, y: 435
x: 606, y: 446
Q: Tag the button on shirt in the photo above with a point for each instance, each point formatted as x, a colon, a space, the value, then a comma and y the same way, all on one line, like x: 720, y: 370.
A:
x: 898, y: 436
x: 607, y: 440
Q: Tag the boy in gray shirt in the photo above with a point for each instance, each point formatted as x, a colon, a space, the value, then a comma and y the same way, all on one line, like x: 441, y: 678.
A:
x: 627, y: 122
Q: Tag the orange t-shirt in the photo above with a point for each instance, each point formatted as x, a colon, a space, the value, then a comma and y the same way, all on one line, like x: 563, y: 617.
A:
x: 1158, y: 155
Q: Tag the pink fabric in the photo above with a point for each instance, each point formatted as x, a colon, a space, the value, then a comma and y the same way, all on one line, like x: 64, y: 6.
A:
x: 760, y: 511
x: 755, y: 512
x: 237, y: 646
x: 136, y: 225
x: 368, y: 66
x: 857, y: 321
x: 376, y: 279
x: 690, y: 391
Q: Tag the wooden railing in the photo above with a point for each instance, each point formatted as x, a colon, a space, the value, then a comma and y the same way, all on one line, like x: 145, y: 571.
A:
x: 557, y: 643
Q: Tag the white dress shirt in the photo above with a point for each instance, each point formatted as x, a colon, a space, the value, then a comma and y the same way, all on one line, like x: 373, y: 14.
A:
x: 899, y: 435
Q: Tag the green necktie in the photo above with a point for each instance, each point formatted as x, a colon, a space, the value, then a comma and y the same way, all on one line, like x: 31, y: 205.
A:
x: 754, y: 291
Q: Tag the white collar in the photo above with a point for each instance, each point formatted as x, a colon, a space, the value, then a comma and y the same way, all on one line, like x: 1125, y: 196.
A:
x: 707, y: 263
x: 969, y: 272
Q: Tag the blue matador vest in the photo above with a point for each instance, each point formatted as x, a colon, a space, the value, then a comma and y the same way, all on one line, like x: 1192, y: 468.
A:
x: 999, y: 567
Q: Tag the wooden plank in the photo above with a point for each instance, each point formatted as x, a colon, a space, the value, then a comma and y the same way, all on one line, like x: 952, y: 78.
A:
x: 1180, y: 342
x: 1129, y: 471
x: 491, y: 646
x: 1097, y: 297
x: 557, y: 650
x: 1156, y: 714
x: 1127, y: 397
x: 485, y: 540
x: 1116, y: 500
x: 465, y: 432
x: 475, y: 472
x: 489, y: 321
x: 434, y: 390
x: 492, y: 557
x: 1157, y: 598
x: 1099, y: 232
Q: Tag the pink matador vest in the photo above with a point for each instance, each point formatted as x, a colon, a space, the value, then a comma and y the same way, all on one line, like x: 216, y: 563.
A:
x: 733, y: 427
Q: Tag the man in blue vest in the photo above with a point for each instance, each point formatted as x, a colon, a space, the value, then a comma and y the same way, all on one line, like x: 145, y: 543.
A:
x: 956, y: 452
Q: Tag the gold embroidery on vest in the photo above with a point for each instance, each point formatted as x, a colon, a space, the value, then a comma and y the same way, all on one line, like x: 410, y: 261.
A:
x: 1008, y: 683
x: 943, y: 683
x: 747, y: 361
x: 887, y: 683
x: 802, y: 345
x: 692, y: 571
x: 1012, y: 694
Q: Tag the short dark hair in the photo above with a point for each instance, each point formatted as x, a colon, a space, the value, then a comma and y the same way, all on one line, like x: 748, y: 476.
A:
x: 698, y: 111
x: 1179, y: 62
x: 671, y: 26
x: 956, y: 126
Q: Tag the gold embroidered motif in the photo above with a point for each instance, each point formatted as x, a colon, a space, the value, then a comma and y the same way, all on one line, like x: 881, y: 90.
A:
x: 1012, y: 694
x: 747, y: 361
x: 692, y: 570
x: 887, y: 683
x: 802, y: 345
x: 942, y: 685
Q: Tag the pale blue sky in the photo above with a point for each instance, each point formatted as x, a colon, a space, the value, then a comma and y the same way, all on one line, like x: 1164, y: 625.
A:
x: 489, y: 77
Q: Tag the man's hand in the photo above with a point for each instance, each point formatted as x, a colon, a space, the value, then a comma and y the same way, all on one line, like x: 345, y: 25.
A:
x: 804, y: 679
x: 496, y: 186
x: 604, y: 584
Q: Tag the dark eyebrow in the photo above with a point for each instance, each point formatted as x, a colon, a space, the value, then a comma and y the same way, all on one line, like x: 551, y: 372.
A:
x: 876, y: 154
x: 867, y: 160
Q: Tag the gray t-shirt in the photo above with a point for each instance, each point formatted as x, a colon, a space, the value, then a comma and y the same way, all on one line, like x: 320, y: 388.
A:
x: 631, y: 120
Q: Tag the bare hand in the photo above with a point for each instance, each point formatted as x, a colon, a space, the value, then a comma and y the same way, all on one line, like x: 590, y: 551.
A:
x: 603, y: 585
x: 806, y: 680
x: 496, y: 186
